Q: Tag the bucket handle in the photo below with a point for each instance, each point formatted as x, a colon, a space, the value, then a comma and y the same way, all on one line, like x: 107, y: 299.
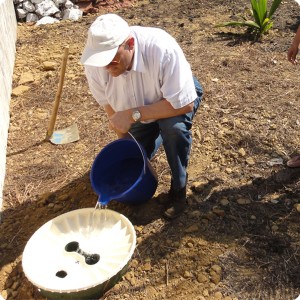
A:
x: 142, y: 152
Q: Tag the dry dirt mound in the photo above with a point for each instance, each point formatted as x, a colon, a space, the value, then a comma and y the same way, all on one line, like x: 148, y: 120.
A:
x: 239, y: 238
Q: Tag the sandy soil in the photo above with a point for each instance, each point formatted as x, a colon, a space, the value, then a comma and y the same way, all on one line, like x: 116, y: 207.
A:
x: 239, y: 238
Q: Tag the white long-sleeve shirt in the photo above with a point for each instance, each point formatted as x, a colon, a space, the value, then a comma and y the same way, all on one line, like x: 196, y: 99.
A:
x: 160, y: 70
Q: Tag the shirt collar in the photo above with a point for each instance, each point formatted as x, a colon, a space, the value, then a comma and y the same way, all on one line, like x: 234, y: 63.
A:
x: 138, y: 60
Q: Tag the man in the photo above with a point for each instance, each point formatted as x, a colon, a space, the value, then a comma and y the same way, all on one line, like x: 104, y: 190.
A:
x: 141, y: 77
x: 294, y: 162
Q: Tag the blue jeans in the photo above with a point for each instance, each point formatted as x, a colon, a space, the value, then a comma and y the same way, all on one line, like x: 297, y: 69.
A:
x: 175, y: 135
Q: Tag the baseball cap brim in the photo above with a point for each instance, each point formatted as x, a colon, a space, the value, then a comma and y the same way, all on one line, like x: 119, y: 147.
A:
x: 96, y: 58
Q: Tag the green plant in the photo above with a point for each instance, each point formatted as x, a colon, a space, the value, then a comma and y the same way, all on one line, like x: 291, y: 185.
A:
x: 262, y: 18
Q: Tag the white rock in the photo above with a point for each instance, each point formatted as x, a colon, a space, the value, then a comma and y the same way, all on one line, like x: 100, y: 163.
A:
x: 37, y: 1
x: 46, y: 8
x: 21, y: 13
x: 32, y: 17
x: 72, y: 14
x: 58, y: 15
x: 69, y: 4
x: 59, y: 2
x: 46, y: 20
x: 28, y: 6
x: 242, y: 152
x: 275, y: 161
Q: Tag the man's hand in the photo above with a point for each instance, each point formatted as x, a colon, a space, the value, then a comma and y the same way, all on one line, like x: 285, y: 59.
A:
x: 292, y: 53
x: 121, y: 121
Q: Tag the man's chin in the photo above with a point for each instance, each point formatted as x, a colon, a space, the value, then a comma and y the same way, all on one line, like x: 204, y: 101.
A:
x: 114, y: 74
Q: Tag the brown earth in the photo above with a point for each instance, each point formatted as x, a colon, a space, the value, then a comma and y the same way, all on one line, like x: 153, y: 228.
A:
x: 239, y: 238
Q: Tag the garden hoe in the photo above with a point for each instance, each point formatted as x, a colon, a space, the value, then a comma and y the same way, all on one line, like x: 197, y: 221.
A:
x: 69, y: 134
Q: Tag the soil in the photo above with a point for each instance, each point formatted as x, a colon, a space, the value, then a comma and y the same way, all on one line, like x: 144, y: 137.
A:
x: 240, y: 235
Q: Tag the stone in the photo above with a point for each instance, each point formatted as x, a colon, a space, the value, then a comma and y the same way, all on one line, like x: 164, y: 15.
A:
x: 46, y: 8
x: 297, y: 207
x: 217, y: 269
x: 242, y: 152
x: 224, y: 201
x: 28, y: 6
x: 219, y: 212
x: 192, y: 228
x: 195, y: 214
x: 218, y: 295
x: 72, y: 14
x: 69, y: 4
x: 250, y: 161
x: 243, y: 201
x: 58, y: 3
x: 46, y: 20
x: 201, y: 278
x: 215, y: 277
x: 7, y: 268
x: 199, y: 186
x: 147, y: 266
x: 49, y: 66
x: 19, y: 90
x: 31, y: 18
x: 21, y: 13
x: 187, y: 274
x: 26, y: 78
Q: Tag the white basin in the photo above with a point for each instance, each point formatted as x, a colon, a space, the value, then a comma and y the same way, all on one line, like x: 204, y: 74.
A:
x: 80, y: 253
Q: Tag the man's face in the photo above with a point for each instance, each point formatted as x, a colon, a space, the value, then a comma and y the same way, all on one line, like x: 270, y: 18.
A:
x: 122, y: 60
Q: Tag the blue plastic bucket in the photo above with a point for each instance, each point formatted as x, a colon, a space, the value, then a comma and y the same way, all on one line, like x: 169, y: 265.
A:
x: 122, y: 172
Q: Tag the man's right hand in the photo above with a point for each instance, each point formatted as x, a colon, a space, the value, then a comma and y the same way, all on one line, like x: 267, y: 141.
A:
x: 292, y: 54
x: 121, y: 120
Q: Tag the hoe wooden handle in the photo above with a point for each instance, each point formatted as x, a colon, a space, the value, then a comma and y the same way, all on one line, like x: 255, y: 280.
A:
x: 58, y: 93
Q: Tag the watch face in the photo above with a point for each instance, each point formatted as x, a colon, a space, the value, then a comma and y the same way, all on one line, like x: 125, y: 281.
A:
x: 136, y: 116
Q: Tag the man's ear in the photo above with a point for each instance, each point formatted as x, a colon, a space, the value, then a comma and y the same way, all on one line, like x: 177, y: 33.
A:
x: 130, y: 44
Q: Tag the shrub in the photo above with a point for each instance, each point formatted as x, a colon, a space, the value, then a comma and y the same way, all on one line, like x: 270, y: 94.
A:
x: 262, y: 22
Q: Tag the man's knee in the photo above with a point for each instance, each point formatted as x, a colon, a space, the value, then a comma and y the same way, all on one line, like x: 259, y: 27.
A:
x: 173, y: 127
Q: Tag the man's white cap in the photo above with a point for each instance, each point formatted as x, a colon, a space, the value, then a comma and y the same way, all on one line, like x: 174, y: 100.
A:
x: 105, y: 35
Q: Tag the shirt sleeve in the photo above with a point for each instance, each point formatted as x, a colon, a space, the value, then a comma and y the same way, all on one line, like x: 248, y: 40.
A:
x: 97, y: 84
x: 177, y: 79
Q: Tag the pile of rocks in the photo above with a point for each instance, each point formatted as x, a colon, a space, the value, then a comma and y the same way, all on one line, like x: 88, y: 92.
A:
x: 46, y: 11
x: 50, y: 11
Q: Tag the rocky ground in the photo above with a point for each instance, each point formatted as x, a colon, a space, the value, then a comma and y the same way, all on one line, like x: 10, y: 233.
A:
x: 239, y: 238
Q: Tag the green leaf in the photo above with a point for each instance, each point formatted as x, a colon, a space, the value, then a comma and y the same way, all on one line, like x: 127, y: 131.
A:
x: 266, y: 21
x: 259, y: 10
x: 267, y: 27
x: 255, y: 11
x: 233, y: 23
x: 252, y: 24
x: 262, y: 6
x: 274, y: 7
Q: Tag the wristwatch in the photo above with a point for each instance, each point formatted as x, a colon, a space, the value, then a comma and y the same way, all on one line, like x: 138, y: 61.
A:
x: 136, y: 115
